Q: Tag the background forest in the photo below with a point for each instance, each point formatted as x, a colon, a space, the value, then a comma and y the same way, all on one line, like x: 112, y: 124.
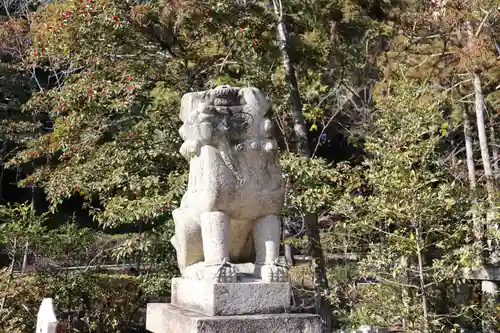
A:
x: 387, y: 117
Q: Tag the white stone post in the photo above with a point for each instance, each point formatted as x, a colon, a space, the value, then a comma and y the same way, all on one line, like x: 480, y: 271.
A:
x: 46, y: 321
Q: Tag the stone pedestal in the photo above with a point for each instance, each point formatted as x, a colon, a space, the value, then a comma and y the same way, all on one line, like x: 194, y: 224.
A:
x: 168, y: 318
x: 249, y: 306
x: 250, y: 296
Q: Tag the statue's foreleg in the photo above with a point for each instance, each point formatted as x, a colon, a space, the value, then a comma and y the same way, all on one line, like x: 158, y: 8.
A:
x: 267, y: 235
x: 215, y: 233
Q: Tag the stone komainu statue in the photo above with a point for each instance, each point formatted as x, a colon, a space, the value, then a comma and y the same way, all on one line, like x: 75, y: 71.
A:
x: 228, y: 214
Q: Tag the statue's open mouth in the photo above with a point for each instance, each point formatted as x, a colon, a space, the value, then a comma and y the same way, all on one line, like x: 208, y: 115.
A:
x: 229, y: 102
x: 224, y: 96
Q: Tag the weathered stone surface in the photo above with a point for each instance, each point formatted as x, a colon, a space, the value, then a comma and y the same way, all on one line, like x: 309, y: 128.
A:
x: 227, y: 224
x: 167, y: 318
x: 250, y: 296
x: 229, y: 213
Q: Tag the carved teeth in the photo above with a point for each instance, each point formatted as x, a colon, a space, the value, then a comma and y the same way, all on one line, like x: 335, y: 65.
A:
x: 218, y: 101
x: 229, y: 109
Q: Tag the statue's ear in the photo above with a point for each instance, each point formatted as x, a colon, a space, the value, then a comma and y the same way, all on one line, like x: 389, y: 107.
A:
x: 255, y: 99
x: 189, y: 103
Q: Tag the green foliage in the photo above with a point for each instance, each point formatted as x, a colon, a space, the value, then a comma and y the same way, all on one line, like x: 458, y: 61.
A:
x: 388, y: 76
x: 84, y: 302
x: 14, y: 317
x: 414, y: 206
x: 20, y: 224
x: 311, y: 184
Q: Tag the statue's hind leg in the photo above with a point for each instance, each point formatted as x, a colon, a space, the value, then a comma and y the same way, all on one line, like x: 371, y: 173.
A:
x: 187, y: 240
x: 267, y: 235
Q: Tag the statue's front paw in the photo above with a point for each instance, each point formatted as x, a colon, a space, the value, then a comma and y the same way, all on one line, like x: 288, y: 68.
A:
x: 274, y: 273
x: 226, y: 274
x: 223, y: 273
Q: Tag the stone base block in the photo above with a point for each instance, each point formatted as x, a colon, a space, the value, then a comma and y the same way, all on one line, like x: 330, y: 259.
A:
x: 167, y: 318
x: 249, y: 296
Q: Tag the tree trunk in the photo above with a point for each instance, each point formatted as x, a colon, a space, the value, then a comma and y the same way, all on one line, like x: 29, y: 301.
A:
x: 405, y: 292
x: 485, y: 155
x: 13, y: 261
x: 423, y: 293
x: 27, y: 244
x: 320, y: 277
x: 300, y: 131
x: 469, y: 151
x: 494, y: 147
x: 25, y: 257
x: 478, y: 226
x: 451, y: 130
x: 299, y: 123
x: 483, y: 140
x: 489, y: 288
x: 2, y: 168
x: 286, y: 246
